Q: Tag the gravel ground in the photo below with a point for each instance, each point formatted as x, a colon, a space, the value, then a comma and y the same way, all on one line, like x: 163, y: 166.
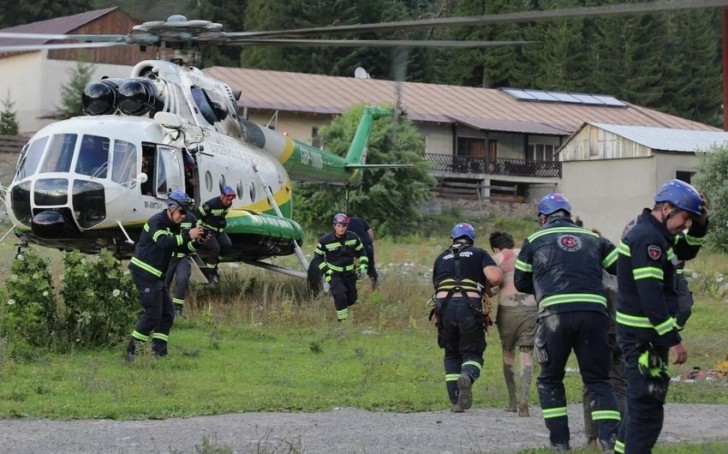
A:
x: 342, y: 430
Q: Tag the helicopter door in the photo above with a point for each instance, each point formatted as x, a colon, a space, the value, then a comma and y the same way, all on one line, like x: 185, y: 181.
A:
x: 170, y: 176
x: 163, y: 167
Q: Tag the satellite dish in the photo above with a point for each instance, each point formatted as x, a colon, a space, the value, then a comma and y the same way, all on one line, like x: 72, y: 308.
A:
x: 361, y: 73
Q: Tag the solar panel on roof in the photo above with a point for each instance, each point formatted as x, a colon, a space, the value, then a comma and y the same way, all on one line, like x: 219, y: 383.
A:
x: 564, y: 97
x: 541, y: 95
x: 557, y: 96
x: 519, y: 94
x: 610, y: 100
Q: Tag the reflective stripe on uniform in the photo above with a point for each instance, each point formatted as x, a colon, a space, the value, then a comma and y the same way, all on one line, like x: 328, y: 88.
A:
x: 146, y: 267
x: 610, y: 258
x: 160, y: 336
x: 648, y: 272
x: 573, y: 298
x: 561, y: 230
x: 605, y: 414
x: 473, y: 363
x: 452, y: 377
x: 523, y: 266
x: 557, y: 412
x: 623, y: 249
x: 635, y: 321
x: 139, y: 336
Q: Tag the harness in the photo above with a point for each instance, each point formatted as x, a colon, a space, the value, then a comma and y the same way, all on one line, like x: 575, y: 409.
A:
x: 455, y: 284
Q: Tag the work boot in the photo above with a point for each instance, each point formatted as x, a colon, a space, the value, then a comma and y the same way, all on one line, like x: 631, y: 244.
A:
x: 560, y: 447
x: 523, y: 409
x: 179, y: 311
x: 511, y: 406
x: 131, y: 350
x: 465, y: 392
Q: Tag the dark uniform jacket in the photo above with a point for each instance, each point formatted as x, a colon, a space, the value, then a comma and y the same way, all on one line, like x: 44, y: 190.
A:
x: 648, y: 280
x: 360, y: 227
x: 160, y: 238
x: 212, y: 214
x: 337, y: 254
x: 471, y: 262
x: 189, y: 221
x: 561, y: 264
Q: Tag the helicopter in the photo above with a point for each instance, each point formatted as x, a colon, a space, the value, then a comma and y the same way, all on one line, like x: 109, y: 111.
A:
x: 90, y: 182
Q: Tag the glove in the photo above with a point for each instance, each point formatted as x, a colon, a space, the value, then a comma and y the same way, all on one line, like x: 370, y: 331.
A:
x: 651, y: 366
x: 362, y: 270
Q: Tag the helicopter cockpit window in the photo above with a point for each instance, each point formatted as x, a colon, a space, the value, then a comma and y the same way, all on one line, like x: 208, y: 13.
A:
x: 93, y: 157
x: 59, y: 154
x: 169, y: 170
x: 124, y: 162
x: 183, y: 109
x: 203, y: 103
x: 30, y: 157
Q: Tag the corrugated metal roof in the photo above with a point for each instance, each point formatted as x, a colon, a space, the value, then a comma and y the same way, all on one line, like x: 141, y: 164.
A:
x: 59, y: 25
x: 525, y: 127
x: 298, y: 92
x: 667, y: 139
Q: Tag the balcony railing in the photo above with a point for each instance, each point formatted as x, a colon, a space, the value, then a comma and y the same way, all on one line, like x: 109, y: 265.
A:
x: 512, y: 167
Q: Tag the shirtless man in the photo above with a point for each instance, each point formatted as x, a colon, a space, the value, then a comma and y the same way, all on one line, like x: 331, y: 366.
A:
x: 516, y: 321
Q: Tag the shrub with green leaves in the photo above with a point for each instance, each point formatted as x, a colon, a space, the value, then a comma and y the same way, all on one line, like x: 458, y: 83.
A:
x: 100, y: 300
x: 29, y: 311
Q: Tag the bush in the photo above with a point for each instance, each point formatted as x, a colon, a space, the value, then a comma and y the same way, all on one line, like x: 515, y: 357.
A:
x: 29, y: 313
x: 100, y: 300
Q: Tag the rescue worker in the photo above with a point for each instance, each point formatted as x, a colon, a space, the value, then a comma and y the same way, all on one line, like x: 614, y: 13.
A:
x: 337, y: 251
x: 180, y: 269
x: 160, y: 237
x: 516, y: 321
x: 561, y: 264
x: 461, y: 275
x: 650, y: 249
x: 366, y: 235
x: 211, y: 216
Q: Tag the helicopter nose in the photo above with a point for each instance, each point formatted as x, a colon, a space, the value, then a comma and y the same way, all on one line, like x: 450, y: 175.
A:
x: 54, y: 224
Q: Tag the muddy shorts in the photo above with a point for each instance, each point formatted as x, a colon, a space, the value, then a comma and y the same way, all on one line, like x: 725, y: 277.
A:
x: 516, y: 326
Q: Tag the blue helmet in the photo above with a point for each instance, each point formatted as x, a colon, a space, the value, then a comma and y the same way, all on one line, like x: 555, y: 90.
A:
x: 228, y: 191
x: 463, y: 230
x: 552, y: 203
x: 341, y: 218
x: 180, y: 199
x: 681, y: 195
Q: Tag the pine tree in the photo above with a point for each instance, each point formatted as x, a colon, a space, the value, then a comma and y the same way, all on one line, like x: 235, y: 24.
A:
x: 13, y: 12
x: 71, y: 92
x: 485, y: 67
x: 693, y: 72
x: 231, y: 14
x: 8, y: 120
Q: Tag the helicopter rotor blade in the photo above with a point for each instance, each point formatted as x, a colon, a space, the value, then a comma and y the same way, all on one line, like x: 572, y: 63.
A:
x: 52, y: 37
x: 32, y: 47
x: 377, y: 43
x: 528, y: 16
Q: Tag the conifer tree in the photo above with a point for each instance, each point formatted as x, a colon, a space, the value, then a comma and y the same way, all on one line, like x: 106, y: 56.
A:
x: 71, y: 92
x: 8, y: 120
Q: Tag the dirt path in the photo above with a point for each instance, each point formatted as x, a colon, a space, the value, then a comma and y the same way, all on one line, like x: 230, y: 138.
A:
x: 343, y: 430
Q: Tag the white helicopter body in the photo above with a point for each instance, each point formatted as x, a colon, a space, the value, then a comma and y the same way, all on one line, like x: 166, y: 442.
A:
x: 91, y: 182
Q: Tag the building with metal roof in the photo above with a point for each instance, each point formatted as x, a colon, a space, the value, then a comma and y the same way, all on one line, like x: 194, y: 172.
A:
x: 610, y: 172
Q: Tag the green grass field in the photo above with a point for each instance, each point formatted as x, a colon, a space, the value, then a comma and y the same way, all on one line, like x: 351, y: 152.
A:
x: 256, y: 342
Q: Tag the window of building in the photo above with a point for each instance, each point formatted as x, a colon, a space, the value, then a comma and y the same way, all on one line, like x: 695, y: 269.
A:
x: 684, y: 176
x: 540, y: 152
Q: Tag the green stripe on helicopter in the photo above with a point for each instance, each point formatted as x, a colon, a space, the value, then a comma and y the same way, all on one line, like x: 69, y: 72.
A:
x: 308, y: 163
x: 245, y: 222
